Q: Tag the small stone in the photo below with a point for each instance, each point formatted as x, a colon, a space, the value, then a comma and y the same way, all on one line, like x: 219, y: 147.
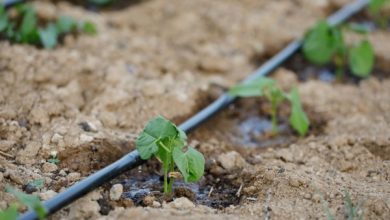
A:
x: 1, y: 176
x: 6, y: 145
x: 116, y: 192
x: 85, y: 138
x: 294, y: 182
x: 15, y: 177
x: 231, y: 160
x: 62, y: 173
x: 73, y: 177
x: 156, y: 204
x: 316, y: 198
x: 47, y: 195
x: 88, y: 126
x: 56, y: 138
x: 148, y: 200
x: 49, y: 167
x: 307, y: 196
x: 181, y: 203
x: 29, y: 188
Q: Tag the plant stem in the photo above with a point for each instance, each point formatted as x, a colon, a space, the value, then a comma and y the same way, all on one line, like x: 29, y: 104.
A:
x: 274, y: 119
x: 166, y: 181
x: 171, y: 179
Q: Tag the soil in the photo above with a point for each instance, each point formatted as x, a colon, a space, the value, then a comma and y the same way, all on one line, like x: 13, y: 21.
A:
x: 88, y: 99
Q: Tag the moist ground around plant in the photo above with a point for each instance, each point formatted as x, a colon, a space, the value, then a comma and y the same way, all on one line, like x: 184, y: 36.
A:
x: 90, y: 97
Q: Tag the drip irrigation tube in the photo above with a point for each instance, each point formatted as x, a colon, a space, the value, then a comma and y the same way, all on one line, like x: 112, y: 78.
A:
x: 10, y: 3
x: 132, y: 159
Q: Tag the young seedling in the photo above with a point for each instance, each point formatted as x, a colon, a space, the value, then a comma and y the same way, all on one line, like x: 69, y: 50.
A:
x: 266, y: 87
x: 324, y: 44
x: 375, y: 8
x: 53, y: 158
x: 162, y: 139
x: 31, y: 201
x: 24, y: 29
x: 352, y: 212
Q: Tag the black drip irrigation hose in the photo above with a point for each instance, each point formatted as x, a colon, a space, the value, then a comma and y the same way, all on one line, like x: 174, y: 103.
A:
x: 10, y: 3
x: 133, y: 160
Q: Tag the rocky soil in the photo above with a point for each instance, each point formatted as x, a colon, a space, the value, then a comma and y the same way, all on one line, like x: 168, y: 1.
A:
x: 87, y: 100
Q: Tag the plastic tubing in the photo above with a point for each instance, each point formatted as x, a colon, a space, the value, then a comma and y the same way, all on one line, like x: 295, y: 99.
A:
x: 133, y: 160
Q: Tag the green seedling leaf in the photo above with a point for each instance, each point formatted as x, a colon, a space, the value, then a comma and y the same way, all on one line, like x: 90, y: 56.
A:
x: 358, y: 28
x: 89, y: 28
x: 190, y: 164
x: 3, y: 19
x: 10, y: 214
x: 49, y: 36
x: 28, y: 29
x: 65, y: 24
x: 320, y: 44
x: 375, y: 6
x: 38, y: 183
x: 157, y: 130
x: 31, y: 201
x: 253, y: 88
x: 361, y: 59
x: 53, y: 160
x: 101, y: 2
x: 298, y: 118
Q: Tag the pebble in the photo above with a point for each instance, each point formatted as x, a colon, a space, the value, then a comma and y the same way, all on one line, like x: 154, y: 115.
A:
x: 231, y: 160
x: 85, y: 138
x: 181, y: 203
x: 1, y: 176
x: 116, y: 192
x: 47, y: 195
x: 294, y: 182
x: 148, y: 200
x: 73, y: 177
x: 49, y: 167
x: 156, y: 204
x: 6, y: 145
x: 316, y: 198
x: 56, y: 138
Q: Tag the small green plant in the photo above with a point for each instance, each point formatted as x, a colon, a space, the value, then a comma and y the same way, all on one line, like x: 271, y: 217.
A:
x: 53, y: 158
x: 352, y: 212
x: 31, y: 201
x: 162, y: 139
x: 267, y: 88
x: 24, y: 28
x: 101, y: 2
x: 375, y: 8
x: 324, y: 44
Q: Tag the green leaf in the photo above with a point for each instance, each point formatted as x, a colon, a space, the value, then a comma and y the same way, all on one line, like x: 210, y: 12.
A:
x: 320, y: 44
x: 38, y: 183
x: 190, y: 164
x: 375, y: 6
x: 3, y: 19
x: 49, y: 36
x: 9, y: 214
x: 358, y: 28
x: 253, y: 88
x: 89, y: 28
x: 156, y: 130
x: 28, y: 27
x: 65, y: 24
x: 31, y: 201
x: 361, y: 59
x: 298, y: 118
x: 101, y: 2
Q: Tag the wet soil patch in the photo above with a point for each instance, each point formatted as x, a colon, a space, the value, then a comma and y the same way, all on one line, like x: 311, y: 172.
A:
x: 145, y: 185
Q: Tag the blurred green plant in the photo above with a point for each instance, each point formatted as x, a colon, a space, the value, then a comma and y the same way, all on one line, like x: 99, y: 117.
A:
x: 25, y: 29
x: 375, y: 8
x: 31, y: 201
x: 324, y: 44
x: 266, y: 87
x: 352, y: 211
x: 162, y: 139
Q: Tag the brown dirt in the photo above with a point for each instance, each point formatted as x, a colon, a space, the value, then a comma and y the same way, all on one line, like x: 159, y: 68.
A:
x: 89, y: 98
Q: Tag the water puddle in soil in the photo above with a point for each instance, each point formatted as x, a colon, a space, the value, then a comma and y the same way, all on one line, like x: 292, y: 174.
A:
x: 210, y: 191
